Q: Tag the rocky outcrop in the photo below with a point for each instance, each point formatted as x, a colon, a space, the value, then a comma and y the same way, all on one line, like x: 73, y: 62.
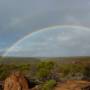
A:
x: 16, y: 81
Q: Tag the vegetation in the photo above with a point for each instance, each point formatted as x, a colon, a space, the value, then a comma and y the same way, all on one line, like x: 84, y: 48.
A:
x: 44, y: 70
x: 48, y: 85
x: 47, y: 71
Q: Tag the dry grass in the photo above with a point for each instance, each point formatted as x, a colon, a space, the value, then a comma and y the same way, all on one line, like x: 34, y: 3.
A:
x: 73, y: 85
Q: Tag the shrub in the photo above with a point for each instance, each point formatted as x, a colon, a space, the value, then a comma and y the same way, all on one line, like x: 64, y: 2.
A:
x: 72, y: 70
x: 44, y: 70
x: 49, y: 85
x: 87, y: 72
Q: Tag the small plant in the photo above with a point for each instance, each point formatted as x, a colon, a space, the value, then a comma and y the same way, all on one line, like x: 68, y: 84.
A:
x: 49, y: 85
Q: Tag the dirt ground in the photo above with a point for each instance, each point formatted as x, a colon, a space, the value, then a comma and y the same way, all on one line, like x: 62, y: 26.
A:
x: 73, y: 85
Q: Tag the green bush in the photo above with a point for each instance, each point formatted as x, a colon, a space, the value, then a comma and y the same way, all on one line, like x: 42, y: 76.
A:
x: 87, y: 72
x: 49, y: 85
x: 72, y: 70
x: 44, y: 70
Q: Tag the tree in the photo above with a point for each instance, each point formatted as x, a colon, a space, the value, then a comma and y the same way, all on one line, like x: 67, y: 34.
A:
x: 44, y: 70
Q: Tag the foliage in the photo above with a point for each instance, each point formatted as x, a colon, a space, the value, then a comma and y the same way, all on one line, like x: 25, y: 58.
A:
x: 48, y: 85
x: 44, y: 70
x: 87, y: 72
x: 72, y: 71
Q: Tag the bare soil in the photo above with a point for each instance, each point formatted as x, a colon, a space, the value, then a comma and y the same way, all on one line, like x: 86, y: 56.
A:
x: 73, y: 85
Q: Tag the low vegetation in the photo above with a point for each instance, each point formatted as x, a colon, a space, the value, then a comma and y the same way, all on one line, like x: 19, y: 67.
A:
x: 48, y: 85
x: 48, y: 71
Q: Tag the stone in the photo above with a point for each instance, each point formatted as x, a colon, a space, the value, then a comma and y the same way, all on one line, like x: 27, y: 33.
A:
x: 16, y: 81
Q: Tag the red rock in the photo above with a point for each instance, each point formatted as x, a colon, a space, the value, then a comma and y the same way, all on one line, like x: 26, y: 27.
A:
x: 16, y: 81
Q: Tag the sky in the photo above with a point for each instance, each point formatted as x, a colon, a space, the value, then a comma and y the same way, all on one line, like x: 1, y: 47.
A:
x: 59, y: 41
x: 18, y: 18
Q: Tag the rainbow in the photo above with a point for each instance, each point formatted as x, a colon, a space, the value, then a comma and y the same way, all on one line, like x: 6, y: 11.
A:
x: 42, y: 30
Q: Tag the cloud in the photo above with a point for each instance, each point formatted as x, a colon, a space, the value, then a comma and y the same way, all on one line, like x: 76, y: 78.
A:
x: 1, y: 50
x: 15, y: 21
x: 71, y: 20
x: 63, y: 38
x: 55, y: 43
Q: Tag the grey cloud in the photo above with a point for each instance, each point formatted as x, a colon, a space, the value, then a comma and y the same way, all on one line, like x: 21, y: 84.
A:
x: 69, y: 44
x: 20, y: 17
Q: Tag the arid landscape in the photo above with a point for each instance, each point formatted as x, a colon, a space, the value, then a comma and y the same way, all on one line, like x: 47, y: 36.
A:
x: 73, y: 85
x: 44, y: 44
x: 66, y: 73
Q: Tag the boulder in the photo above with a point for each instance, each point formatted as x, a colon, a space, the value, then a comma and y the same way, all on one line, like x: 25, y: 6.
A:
x: 16, y: 81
